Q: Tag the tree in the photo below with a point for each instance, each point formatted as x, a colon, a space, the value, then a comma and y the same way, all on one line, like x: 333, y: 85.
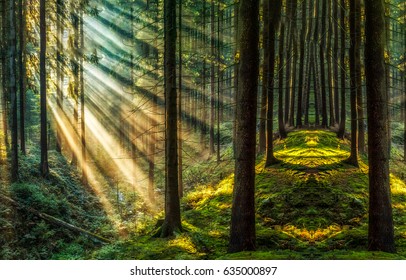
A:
x: 355, y: 76
x: 343, y: 115
x: 59, y: 70
x: 12, y: 89
x: 266, y: 75
x: 172, y: 222
x: 322, y: 47
x: 180, y: 165
x: 273, y: 23
x: 299, y: 112
x: 22, y: 73
x: 82, y: 101
x: 212, y: 78
x: 44, y: 169
x: 380, y: 226
x: 281, y: 123
x: 242, y: 232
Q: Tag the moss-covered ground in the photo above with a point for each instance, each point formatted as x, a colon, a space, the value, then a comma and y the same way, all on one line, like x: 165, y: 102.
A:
x: 309, y: 206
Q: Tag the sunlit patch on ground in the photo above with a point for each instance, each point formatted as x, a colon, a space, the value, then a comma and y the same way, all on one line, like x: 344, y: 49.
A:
x: 309, y: 149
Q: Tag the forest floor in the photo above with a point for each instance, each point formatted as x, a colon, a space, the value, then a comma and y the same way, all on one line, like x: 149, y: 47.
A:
x: 311, y: 205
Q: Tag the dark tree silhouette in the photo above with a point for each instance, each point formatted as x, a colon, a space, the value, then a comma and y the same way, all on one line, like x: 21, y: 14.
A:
x: 380, y: 227
x: 242, y: 234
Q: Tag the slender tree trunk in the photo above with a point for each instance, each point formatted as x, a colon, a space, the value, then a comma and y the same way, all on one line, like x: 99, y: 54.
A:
x: 13, y: 89
x: 59, y: 70
x: 265, y: 77
x: 281, y: 122
x: 75, y: 23
x: 22, y: 72
x: 180, y: 165
x: 236, y: 70
x: 293, y: 81
x: 336, y: 62
x: 172, y: 221
x: 358, y: 76
x: 204, y: 97
x: 343, y: 72
x: 212, y: 79
x: 273, y: 23
x: 304, y: 31
x: 330, y: 65
x: 324, y: 121
x: 44, y: 169
x: 354, y: 59
x: 5, y: 80
x: 380, y: 226
x: 82, y: 104
x: 242, y: 232
x: 219, y: 77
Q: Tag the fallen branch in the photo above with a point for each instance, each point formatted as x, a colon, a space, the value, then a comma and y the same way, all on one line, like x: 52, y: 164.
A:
x: 52, y: 219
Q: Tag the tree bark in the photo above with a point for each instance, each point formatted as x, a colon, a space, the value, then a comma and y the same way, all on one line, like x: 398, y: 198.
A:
x: 324, y: 121
x: 354, y: 81
x: 266, y: 75
x: 22, y: 74
x: 212, y: 79
x: 273, y: 23
x: 358, y: 76
x: 242, y: 233
x: 299, y: 112
x: 82, y: 103
x: 380, y: 226
x: 343, y: 72
x: 13, y: 90
x: 180, y: 163
x: 281, y: 122
x: 172, y: 222
x: 44, y: 169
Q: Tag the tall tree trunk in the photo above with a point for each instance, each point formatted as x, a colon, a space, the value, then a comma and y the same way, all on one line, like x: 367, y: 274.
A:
x: 330, y: 65
x: 288, y: 59
x: 22, y: 72
x: 180, y: 165
x: 324, y: 121
x: 219, y: 77
x: 265, y: 77
x: 380, y: 226
x: 281, y: 122
x: 75, y: 23
x: 204, y: 97
x: 343, y: 72
x: 212, y: 79
x: 13, y: 89
x: 82, y: 103
x: 44, y: 169
x: 358, y: 76
x: 304, y: 31
x: 273, y: 23
x: 59, y: 71
x: 354, y: 63
x: 242, y: 232
x: 172, y: 222
x: 236, y: 70
x: 336, y: 61
x: 4, y: 71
